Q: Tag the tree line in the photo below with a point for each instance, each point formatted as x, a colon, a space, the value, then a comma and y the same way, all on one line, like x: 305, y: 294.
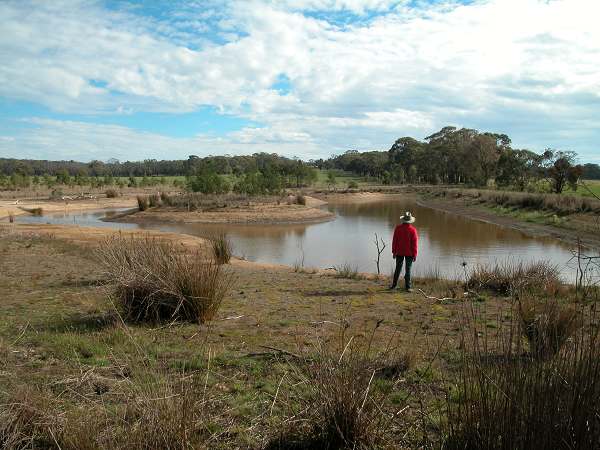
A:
x: 449, y: 156
x: 466, y: 156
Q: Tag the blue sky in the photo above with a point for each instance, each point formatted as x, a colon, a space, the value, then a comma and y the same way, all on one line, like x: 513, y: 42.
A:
x: 308, y: 78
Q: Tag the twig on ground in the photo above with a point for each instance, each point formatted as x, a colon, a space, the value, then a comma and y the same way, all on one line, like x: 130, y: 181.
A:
x: 431, y: 297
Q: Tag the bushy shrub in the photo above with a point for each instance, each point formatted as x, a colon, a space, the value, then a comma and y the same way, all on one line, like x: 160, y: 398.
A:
x: 301, y: 199
x: 142, y: 202
x: 352, y: 185
x: 112, y: 193
x: 154, y: 281
x: 508, y: 278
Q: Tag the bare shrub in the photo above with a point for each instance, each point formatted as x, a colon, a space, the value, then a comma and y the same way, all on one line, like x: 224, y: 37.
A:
x: 112, y: 193
x: 155, y: 282
x: 142, y: 202
x: 507, y: 399
x: 222, y: 247
x: 508, y: 278
x: 547, y: 325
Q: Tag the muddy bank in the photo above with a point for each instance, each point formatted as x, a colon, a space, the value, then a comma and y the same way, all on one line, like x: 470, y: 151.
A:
x: 458, y: 207
x: 18, y: 207
x: 249, y: 213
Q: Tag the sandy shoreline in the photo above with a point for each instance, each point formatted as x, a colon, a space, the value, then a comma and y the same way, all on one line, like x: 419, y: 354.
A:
x: 8, y: 207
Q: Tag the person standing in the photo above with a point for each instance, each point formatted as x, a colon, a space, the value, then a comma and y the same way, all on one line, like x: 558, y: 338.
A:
x: 404, y: 249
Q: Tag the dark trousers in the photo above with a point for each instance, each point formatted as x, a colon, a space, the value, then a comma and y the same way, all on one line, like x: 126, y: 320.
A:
x: 399, y: 262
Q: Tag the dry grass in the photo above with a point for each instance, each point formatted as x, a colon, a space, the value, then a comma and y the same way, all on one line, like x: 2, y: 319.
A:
x: 509, y: 278
x: 347, y: 270
x: 547, y: 324
x: 153, y: 200
x: 559, y: 203
x: 222, y: 247
x: 154, y: 281
x: 506, y: 398
x: 340, y: 406
x: 142, y: 202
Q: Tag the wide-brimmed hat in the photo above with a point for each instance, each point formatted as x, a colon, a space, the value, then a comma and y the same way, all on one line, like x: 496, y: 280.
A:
x: 407, y: 218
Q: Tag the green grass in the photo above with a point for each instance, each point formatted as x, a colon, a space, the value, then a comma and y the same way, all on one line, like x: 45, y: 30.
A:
x: 593, y: 185
x: 342, y: 178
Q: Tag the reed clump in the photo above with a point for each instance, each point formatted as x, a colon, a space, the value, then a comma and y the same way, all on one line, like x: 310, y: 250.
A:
x: 341, y: 406
x: 508, y: 398
x: 301, y: 199
x: 222, y: 247
x: 547, y: 324
x: 153, y: 200
x: 347, y: 270
x: 508, y: 278
x: 142, y: 202
x: 154, y: 281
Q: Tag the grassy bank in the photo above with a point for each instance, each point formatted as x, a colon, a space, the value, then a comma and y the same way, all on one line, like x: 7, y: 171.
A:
x: 289, y: 360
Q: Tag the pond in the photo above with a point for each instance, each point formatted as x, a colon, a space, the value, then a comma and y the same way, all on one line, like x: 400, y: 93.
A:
x: 446, y: 240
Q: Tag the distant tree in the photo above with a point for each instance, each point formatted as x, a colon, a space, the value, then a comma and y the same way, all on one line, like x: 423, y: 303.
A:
x: 562, y: 169
x: 591, y: 171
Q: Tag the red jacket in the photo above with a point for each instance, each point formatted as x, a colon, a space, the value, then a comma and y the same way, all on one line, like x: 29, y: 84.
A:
x: 405, y: 240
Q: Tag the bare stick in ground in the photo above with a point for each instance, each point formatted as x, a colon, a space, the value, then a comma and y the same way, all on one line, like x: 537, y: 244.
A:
x: 380, y: 250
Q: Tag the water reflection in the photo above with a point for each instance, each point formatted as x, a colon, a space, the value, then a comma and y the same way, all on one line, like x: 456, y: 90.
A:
x: 446, y: 240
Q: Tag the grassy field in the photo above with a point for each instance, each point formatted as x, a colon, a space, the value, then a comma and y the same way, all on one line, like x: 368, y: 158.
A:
x: 244, y: 378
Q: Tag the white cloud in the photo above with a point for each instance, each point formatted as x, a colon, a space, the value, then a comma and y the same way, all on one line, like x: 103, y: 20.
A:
x: 533, y: 74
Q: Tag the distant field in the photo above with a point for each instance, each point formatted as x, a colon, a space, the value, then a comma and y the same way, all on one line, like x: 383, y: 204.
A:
x: 342, y: 179
x: 592, y: 185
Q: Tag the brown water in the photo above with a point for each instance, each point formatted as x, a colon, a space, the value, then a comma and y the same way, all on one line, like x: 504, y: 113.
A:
x: 446, y: 240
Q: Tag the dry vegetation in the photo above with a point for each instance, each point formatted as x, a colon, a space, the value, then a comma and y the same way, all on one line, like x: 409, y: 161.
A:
x: 155, y: 281
x: 289, y: 360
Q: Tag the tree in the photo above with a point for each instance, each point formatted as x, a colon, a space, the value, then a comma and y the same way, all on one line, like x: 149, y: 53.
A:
x: 562, y: 170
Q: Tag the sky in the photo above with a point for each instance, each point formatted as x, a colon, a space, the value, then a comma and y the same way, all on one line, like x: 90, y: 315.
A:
x: 135, y: 79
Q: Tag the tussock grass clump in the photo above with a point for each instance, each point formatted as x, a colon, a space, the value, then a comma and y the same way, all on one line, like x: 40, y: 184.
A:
x: 547, y: 325
x: 347, y: 270
x: 112, y: 193
x: 166, y: 199
x: 508, y: 278
x: 301, y: 199
x: 222, y: 247
x: 512, y: 400
x: 155, y: 282
x: 341, y: 406
x: 153, y: 200
x: 142, y: 202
